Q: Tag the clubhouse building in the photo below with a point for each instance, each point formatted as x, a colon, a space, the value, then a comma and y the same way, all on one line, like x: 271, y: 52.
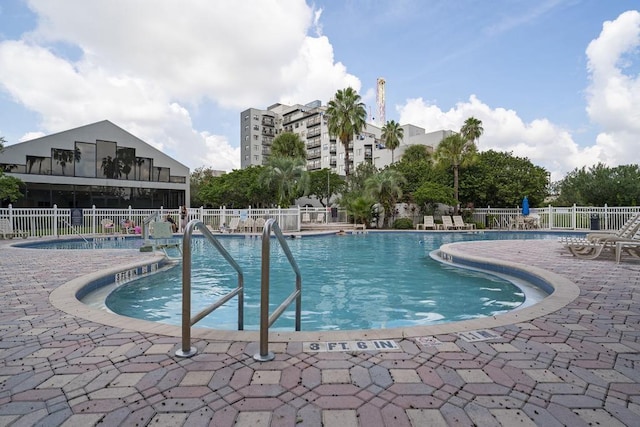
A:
x: 100, y: 165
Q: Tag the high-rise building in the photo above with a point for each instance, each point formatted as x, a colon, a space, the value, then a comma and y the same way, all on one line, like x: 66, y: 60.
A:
x: 260, y: 127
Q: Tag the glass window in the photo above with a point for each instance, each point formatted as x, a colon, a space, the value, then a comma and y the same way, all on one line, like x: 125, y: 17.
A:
x: 62, y: 161
x: 85, y: 162
x: 107, y: 165
x: 39, y: 165
x: 178, y: 179
x: 6, y: 167
x: 143, y: 169
x: 161, y: 174
x: 126, y: 162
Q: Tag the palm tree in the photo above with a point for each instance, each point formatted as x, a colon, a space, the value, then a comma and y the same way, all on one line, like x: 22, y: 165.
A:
x: 472, y: 129
x: 456, y: 151
x: 288, y: 175
x: 288, y: 144
x: 392, y: 134
x: 386, y: 188
x: 347, y: 117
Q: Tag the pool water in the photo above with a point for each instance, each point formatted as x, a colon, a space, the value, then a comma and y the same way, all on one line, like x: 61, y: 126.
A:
x: 365, y: 281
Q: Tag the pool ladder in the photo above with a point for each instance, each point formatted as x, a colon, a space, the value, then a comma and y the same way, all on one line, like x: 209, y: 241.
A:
x: 266, y: 320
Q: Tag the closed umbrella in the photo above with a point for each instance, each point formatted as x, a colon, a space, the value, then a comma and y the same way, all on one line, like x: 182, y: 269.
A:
x: 525, y: 206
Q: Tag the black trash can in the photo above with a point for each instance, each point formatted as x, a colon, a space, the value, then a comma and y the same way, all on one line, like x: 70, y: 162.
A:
x: 595, y: 222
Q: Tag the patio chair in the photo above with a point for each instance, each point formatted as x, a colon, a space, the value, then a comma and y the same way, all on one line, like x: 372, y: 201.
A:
x: 459, y: 223
x: 107, y: 225
x: 427, y: 222
x: 320, y: 217
x: 234, y: 224
x: 306, y: 217
x: 248, y: 225
x: 259, y: 225
x: 625, y: 232
x: 127, y: 226
x: 447, y: 223
x: 8, y: 232
x: 591, y: 249
x: 518, y: 223
x: 632, y: 247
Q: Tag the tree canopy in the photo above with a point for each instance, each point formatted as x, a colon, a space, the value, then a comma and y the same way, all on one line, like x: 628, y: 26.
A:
x: 9, y: 185
x: 502, y: 179
x: 600, y: 185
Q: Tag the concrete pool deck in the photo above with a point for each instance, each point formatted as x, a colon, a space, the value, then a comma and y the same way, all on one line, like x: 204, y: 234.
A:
x: 574, y: 364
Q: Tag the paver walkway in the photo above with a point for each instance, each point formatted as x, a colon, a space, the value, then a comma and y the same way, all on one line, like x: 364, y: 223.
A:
x: 578, y: 366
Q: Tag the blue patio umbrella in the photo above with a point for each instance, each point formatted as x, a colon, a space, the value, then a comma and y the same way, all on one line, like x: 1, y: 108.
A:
x: 525, y: 206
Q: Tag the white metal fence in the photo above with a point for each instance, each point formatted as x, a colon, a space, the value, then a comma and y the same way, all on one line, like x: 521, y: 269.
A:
x: 68, y: 221
x: 560, y: 218
x: 56, y: 221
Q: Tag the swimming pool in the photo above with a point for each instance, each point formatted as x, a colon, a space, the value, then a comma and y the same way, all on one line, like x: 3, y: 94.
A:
x: 367, y: 281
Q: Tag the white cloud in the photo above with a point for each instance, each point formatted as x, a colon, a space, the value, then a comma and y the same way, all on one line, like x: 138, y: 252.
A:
x: 613, y: 104
x: 613, y: 96
x: 146, y: 67
x: 540, y: 140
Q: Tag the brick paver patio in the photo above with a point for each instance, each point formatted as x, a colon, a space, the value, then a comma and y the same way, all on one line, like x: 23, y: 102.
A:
x: 575, y: 366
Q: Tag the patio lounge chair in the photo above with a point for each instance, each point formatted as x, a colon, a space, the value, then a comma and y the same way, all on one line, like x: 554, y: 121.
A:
x: 587, y: 249
x: 259, y: 225
x: 632, y: 247
x: 459, y: 223
x: 248, y: 225
x: 234, y: 224
x: 320, y: 217
x: 625, y: 232
x: 107, y: 225
x: 306, y: 217
x: 428, y: 222
x: 8, y: 232
x: 447, y: 223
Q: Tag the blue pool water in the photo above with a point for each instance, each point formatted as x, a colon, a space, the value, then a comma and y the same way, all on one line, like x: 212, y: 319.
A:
x: 367, y: 281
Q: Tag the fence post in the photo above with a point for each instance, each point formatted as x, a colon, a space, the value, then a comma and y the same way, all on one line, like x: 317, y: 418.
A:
x: 606, y: 217
x: 55, y: 221
x: 202, y: 214
x: 93, y: 219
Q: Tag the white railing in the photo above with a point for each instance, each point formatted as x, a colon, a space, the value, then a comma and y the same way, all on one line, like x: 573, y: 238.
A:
x: 560, y: 218
x: 42, y: 222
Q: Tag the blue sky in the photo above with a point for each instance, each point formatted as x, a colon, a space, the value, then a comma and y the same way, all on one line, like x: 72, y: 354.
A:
x: 557, y: 81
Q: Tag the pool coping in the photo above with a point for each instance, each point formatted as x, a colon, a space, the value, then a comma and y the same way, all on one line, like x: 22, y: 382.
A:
x: 564, y: 291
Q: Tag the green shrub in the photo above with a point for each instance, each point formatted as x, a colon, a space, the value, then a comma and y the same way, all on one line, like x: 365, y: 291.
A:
x: 403, y: 224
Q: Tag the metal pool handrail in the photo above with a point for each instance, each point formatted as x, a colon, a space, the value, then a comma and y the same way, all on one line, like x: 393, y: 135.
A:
x: 187, y: 320
x: 266, y: 320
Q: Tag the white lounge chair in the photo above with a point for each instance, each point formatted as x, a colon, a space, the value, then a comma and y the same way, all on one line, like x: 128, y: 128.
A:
x: 428, y: 222
x: 320, y: 217
x: 306, y: 217
x: 234, y: 224
x: 8, y: 232
x: 259, y: 225
x: 591, y: 249
x: 459, y: 223
x: 447, y: 222
x: 248, y: 225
